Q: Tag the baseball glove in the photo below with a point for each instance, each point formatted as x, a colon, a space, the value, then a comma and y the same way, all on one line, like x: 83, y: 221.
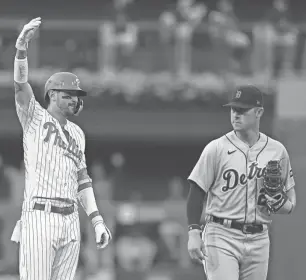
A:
x: 274, y: 186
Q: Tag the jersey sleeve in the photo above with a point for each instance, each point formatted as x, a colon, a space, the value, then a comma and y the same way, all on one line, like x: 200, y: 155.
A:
x: 83, y: 164
x: 84, y: 180
x: 30, y: 116
x: 287, y: 170
x: 203, y: 173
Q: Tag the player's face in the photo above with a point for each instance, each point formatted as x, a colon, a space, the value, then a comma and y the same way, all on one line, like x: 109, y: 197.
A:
x: 244, y: 119
x: 66, y: 103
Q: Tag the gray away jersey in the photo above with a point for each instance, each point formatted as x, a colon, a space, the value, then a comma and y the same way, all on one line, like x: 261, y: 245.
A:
x: 231, y: 173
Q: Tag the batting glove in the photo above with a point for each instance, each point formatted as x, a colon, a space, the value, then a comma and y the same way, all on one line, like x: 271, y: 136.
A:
x: 27, y: 34
x: 103, y: 234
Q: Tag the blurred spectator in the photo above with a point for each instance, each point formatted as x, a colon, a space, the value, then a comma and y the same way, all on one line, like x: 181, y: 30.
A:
x: 262, y: 48
x: 120, y: 38
x: 1, y: 50
x: 7, y: 47
x: 5, y: 183
x: 101, y: 182
x: 300, y: 52
x: 230, y: 44
x: 171, y: 243
x: 12, y: 188
x: 135, y: 252
x: 17, y: 182
x: 173, y: 203
x: 284, y: 37
x: 177, y: 26
x: 176, y: 189
x: 95, y: 260
x: 174, y: 206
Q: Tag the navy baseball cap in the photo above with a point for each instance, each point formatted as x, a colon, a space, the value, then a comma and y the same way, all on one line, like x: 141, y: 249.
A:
x: 246, y: 97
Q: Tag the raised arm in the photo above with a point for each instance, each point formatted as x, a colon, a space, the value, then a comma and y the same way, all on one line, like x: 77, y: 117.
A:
x: 23, y: 90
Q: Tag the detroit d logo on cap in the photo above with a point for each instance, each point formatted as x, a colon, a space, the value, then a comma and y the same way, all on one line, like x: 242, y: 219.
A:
x: 238, y: 94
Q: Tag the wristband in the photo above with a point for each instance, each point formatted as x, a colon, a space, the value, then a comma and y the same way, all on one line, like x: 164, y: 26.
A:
x: 94, y: 214
x: 194, y: 226
x: 21, y: 47
x: 21, y: 70
x: 97, y: 220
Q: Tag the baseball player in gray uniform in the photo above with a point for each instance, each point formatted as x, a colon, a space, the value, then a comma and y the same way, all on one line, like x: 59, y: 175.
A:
x: 230, y: 176
x: 56, y: 175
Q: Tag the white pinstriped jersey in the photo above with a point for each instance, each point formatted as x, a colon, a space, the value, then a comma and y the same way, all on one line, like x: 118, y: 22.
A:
x: 51, y: 160
x: 231, y: 173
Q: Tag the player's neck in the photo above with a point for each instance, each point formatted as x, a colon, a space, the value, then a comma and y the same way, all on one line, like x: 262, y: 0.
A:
x: 249, y: 137
x: 57, y: 115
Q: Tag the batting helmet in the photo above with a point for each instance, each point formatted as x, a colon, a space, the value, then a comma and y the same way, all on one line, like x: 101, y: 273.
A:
x: 64, y: 81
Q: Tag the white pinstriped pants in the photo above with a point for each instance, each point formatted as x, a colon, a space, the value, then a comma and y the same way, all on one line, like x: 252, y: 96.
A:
x: 49, y: 245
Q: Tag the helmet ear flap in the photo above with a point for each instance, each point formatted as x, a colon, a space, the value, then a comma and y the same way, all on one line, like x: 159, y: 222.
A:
x: 79, y: 107
x: 47, y: 97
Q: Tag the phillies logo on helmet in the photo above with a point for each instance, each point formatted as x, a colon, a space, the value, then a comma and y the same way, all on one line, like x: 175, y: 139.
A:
x: 76, y: 82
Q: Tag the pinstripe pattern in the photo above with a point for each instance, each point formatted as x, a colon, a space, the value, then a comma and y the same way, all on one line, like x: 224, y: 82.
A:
x: 49, y: 245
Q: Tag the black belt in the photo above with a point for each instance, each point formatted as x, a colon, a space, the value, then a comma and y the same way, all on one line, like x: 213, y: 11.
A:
x: 54, y: 209
x: 245, y: 228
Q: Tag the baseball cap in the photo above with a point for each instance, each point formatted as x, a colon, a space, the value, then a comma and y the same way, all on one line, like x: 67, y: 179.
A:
x: 246, y: 97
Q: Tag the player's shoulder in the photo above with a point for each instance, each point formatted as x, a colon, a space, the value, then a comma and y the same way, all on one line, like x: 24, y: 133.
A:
x: 214, y: 145
x: 275, y: 144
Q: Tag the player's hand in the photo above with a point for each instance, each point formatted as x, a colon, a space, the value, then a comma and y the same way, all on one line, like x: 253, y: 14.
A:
x: 196, y: 245
x: 279, y: 203
x: 27, y: 33
x: 102, y: 233
x: 270, y: 199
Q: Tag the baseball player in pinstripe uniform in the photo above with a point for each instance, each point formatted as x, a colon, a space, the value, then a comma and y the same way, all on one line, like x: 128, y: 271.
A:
x: 55, y: 173
x: 231, y: 176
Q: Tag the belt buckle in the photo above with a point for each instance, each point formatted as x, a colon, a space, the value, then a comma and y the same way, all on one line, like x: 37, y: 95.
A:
x: 247, y: 229
x: 61, y: 210
x: 65, y: 210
